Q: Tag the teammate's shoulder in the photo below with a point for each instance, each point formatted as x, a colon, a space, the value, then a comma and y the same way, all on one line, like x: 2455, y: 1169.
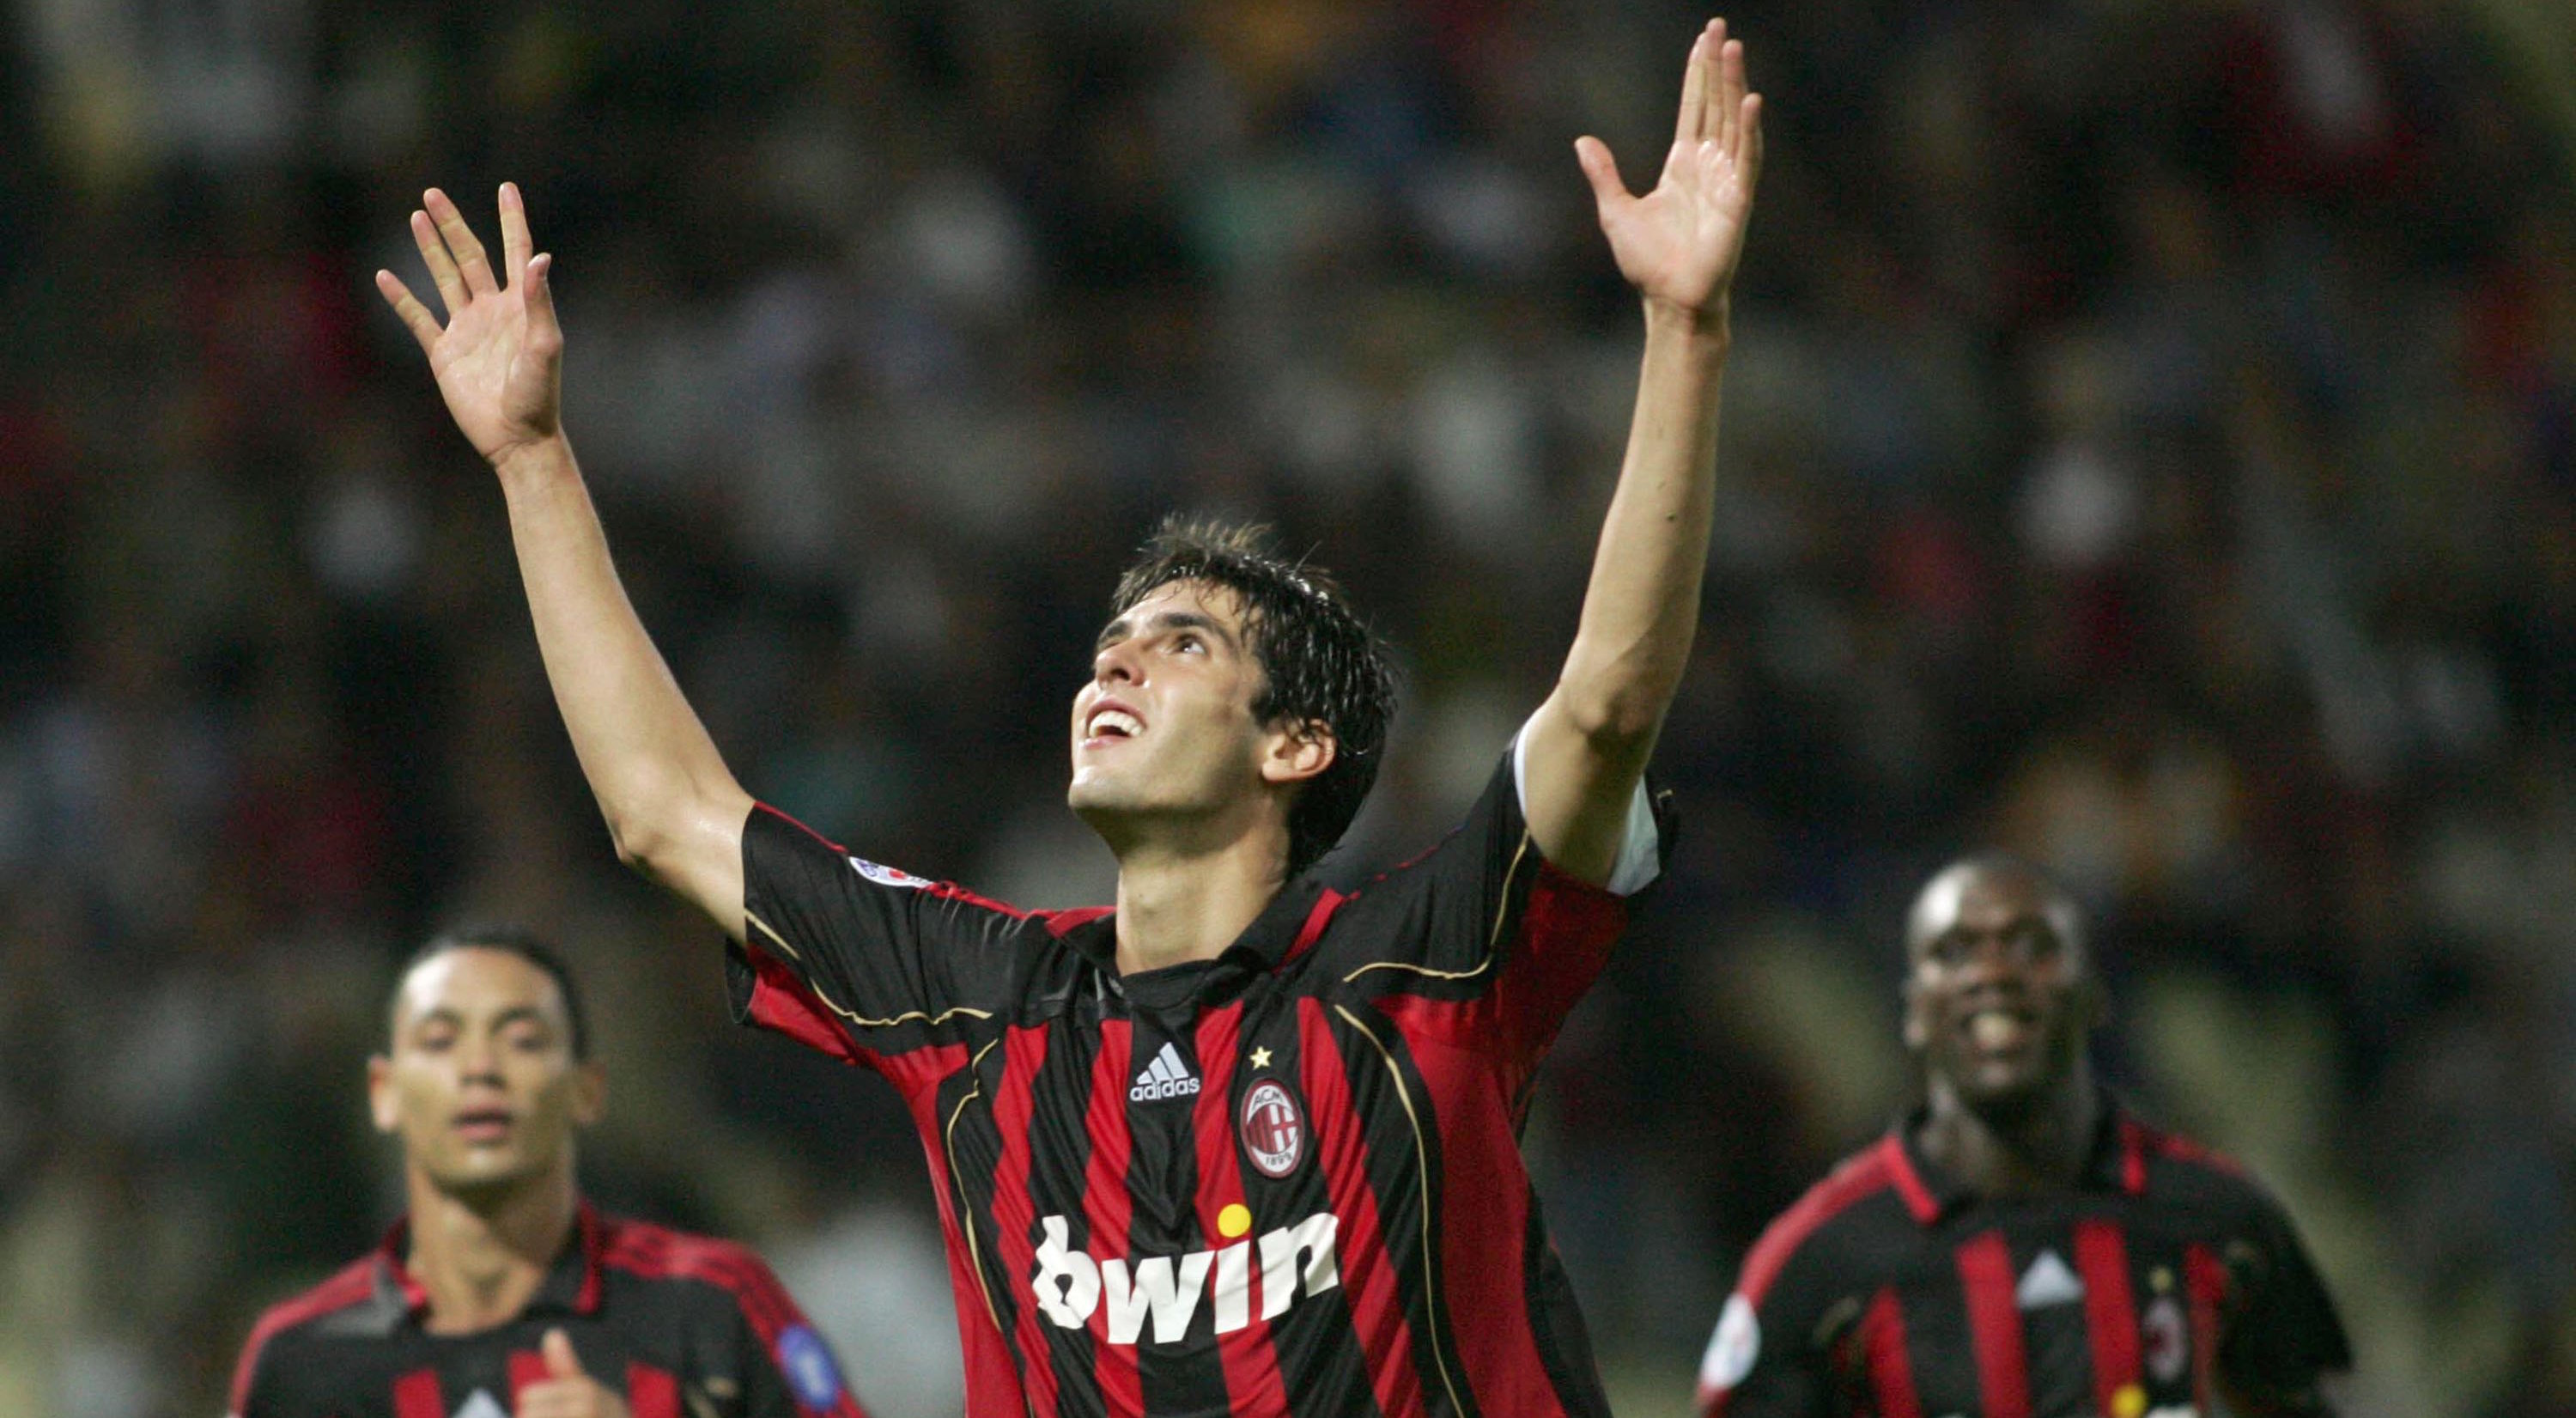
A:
x: 1869, y: 1186
x: 663, y: 1252
x: 2177, y: 1167
x: 349, y: 1287
x: 350, y: 1293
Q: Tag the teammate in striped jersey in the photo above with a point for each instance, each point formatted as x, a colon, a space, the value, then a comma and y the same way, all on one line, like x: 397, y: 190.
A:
x: 502, y: 1294
x: 2021, y: 1247
x: 1244, y: 1142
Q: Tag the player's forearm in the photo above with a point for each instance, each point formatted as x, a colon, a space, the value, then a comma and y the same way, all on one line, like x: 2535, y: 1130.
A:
x: 1641, y: 607
x: 661, y: 784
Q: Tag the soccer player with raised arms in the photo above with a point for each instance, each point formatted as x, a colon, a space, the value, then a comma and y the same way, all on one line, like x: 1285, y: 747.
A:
x: 1243, y: 1142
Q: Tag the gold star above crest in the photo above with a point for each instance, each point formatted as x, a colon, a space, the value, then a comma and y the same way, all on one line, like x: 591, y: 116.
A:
x: 1261, y: 1058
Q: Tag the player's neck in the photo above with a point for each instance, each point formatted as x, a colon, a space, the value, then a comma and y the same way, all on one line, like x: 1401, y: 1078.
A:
x: 2015, y: 1151
x: 482, y: 1258
x: 1176, y: 906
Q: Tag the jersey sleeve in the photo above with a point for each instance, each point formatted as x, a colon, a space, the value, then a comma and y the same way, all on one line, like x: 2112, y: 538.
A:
x: 786, y: 1368
x: 2283, y: 1333
x: 1485, y: 914
x: 1763, y: 1360
x: 861, y: 961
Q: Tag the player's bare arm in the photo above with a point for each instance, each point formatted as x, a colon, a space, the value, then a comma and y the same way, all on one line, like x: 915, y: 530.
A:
x: 1679, y: 246
x: 672, y: 807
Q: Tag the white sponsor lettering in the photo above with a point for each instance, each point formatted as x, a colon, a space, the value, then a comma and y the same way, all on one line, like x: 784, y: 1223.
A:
x: 1733, y: 1348
x: 2175, y: 1410
x: 1071, y: 1286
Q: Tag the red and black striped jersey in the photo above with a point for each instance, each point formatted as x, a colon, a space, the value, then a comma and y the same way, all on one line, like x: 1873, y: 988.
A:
x: 2166, y: 1279
x: 1283, y: 1181
x: 683, y: 1326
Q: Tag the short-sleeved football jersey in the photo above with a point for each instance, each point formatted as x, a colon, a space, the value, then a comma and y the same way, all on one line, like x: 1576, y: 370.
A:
x: 2166, y: 1277
x: 682, y: 1326
x: 1283, y: 1181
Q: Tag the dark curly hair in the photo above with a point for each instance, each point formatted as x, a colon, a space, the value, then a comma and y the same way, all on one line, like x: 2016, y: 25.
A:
x: 1319, y: 664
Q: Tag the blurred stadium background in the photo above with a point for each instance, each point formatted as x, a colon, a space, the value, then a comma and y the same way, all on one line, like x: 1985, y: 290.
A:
x: 2151, y: 445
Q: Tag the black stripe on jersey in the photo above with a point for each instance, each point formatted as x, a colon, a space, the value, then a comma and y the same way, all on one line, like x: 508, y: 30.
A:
x: 1564, y: 1344
x: 1321, y: 1364
x: 1377, y: 1064
x: 1056, y: 1171
x: 1163, y: 1169
x: 974, y: 1156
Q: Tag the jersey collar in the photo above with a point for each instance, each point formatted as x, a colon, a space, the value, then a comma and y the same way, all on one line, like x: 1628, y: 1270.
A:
x: 2117, y: 1162
x: 571, y: 1286
x: 1276, y: 934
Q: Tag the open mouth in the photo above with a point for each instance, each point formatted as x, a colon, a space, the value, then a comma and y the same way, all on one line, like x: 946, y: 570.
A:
x: 1111, y: 723
x: 1997, y: 1030
x: 484, y: 1124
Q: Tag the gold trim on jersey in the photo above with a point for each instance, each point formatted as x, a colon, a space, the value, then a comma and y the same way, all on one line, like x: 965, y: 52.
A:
x: 1422, y: 1173
x: 1493, y: 938
x: 907, y: 1017
x: 965, y: 1207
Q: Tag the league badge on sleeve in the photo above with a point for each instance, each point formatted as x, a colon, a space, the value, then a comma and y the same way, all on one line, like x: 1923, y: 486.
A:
x: 807, y: 1362
x: 887, y: 876
x: 1273, y: 1128
x: 1732, y: 1350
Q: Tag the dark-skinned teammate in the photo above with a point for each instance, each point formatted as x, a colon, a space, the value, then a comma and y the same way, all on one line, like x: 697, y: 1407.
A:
x: 2021, y: 1246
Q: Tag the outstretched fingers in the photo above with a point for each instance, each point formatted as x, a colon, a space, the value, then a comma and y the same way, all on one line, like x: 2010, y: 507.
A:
x: 442, y: 267
x: 516, y: 244
x: 471, y: 262
x: 1726, y: 96
x: 407, y: 307
x: 1690, y: 122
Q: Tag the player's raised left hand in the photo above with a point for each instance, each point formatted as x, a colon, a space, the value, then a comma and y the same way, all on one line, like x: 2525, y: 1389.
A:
x: 1679, y: 244
x: 499, y: 359
x: 566, y: 1391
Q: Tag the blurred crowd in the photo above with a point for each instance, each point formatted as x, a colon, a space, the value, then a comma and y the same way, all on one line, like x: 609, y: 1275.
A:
x: 2150, y: 445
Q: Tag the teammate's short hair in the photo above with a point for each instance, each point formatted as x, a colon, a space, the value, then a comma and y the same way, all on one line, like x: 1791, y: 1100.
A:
x: 1319, y: 664
x: 512, y: 940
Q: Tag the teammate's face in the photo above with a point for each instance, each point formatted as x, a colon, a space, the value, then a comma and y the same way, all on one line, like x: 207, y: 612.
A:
x: 480, y: 1082
x: 1164, y: 739
x: 1999, y: 998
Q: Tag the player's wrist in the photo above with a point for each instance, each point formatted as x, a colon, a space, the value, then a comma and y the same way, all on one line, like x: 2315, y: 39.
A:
x: 1707, y: 325
x: 541, y: 456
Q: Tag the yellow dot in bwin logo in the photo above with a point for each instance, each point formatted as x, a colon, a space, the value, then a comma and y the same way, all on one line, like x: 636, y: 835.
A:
x: 1237, y: 1219
x: 2129, y: 1402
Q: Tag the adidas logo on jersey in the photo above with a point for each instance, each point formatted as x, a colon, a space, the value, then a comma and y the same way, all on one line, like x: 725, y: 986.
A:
x: 1165, y: 1077
x: 482, y: 1405
x: 1071, y: 1286
x: 2047, y: 1282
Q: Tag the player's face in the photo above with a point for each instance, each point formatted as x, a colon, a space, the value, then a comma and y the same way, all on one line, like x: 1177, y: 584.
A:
x: 1999, y: 998
x: 1163, y: 734
x: 480, y: 1082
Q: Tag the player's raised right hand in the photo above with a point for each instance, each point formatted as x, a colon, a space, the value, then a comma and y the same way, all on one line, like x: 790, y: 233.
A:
x: 499, y: 361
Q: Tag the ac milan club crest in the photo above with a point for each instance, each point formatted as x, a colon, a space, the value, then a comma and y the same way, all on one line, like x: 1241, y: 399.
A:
x: 1273, y: 1129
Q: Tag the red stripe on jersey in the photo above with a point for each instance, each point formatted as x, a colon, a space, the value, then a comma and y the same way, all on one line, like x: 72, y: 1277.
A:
x: 1891, y: 1371
x: 1855, y: 1181
x: 780, y: 1001
x: 354, y: 1283
x: 1320, y: 916
x: 1014, y: 1213
x: 2205, y: 1281
x: 2110, y: 1311
x: 1909, y: 1183
x: 1994, y: 1326
x: 1484, y: 1283
x: 651, y: 1392
x: 1367, y: 1272
x: 2183, y: 1149
x: 1252, y: 1383
x: 527, y: 1366
x: 1567, y: 927
x: 1106, y: 1208
x: 2133, y: 1159
x: 416, y: 1395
